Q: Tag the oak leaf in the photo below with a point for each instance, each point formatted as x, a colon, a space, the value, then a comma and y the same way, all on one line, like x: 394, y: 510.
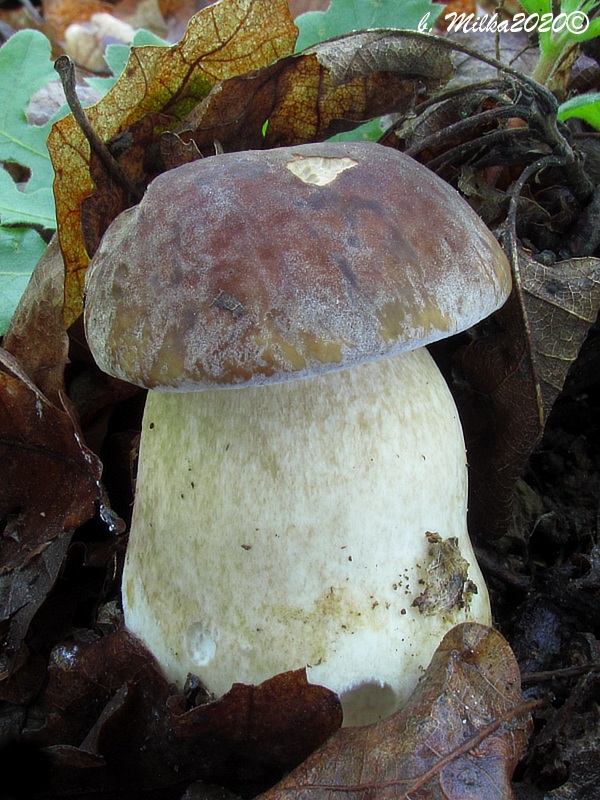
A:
x: 560, y: 304
x: 459, y: 737
x: 49, y: 489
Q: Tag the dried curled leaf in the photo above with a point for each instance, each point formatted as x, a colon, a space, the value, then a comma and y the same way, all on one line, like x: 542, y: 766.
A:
x: 48, y: 489
x: 108, y: 696
x: 459, y: 737
x: 560, y: 303
x: 160, y: 86
x: 399, y: 52
x: 280, y: 721
x: 329, y: 88
x: 514, y: 374
x: 36, y: 336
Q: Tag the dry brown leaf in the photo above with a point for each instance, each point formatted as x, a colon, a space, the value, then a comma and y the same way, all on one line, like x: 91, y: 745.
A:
x: 459, y: 737
x: 159, y: 86
x: 297, y: 98
x: 560, y: 302
x: 500, y: 412
x: 36, y: 336
x: 281, y: 720
x: 108, y: 697
x: 513, y: 374
x: 353, y: 78
x: 48, y: 488
x: 326, y: 89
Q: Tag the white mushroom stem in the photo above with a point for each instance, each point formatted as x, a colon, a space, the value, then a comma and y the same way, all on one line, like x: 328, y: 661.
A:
x: 286, y: 526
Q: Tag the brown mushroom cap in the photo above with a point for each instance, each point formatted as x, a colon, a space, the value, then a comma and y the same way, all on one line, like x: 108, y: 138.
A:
x: 260, y: 266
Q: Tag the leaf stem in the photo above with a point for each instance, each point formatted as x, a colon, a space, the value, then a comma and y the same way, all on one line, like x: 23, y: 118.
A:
x: 66, y: 70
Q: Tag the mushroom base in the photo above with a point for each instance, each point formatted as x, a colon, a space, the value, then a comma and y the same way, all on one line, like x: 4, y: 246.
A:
x: 318, y: 523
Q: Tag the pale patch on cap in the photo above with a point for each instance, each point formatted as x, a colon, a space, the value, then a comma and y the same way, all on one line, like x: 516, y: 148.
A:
x: 318, y: 170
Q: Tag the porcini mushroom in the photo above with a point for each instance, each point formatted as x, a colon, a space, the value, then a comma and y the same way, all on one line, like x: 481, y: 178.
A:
x: 314, y: 514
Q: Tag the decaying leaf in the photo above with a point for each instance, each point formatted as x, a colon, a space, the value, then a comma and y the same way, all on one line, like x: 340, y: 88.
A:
x: 106, y: 699
x: 282, y: 721
x: 572, y: 737
x: 49, y: 488
x: 36, y: 336
x: 327, y: 89
x: 354, y: 78
x: 445, y: 583
x: 500, y: 412
x: 159, y: 86
x: 459, y: 737
x: 561, y: 302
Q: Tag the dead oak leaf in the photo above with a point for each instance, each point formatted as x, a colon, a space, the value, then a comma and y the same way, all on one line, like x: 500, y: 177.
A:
x: 229, y: 38
x: 315, y: 94
x: 560, y: 304
x: 276, y: 723
x: 511, y: 376
x: 36, y: 336
x: 109, y: 695
x: 48, y: 488
x: 471, y: 685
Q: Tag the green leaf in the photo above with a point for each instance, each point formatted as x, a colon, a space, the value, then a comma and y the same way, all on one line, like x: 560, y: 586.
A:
x: 367, y: 132
x: 25, y: 67
x: 584, y: 106
x: 20, y: 250
x: 536, y: 6
x: 25, y: 207
x: 591, y: 31
x: 345, y: 16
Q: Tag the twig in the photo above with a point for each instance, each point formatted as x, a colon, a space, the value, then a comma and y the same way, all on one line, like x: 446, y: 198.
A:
x: 33, y: 12
x: 544, y: 102
x: 556, y: 674
x: 515, y: 196
x: 466, y: 148
x: 66, y: 71
x: 447, y: 134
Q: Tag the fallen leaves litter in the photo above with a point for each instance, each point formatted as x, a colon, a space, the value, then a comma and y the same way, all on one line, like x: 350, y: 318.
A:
x: 234, y: 79
x: 108, y: 718
x: 52, y: 490
x: 36, y: 336
x: 459, y: 737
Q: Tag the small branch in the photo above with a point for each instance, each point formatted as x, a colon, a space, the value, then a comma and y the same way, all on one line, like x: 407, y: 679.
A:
x: 466, y: 148
x: 564, y: 673
x: 66, y: 71
x: 515, y: 196
x: 33, y: 12
x: 447, y: 134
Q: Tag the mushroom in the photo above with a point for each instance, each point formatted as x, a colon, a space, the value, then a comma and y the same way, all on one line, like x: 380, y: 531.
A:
x: 314, y: 514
